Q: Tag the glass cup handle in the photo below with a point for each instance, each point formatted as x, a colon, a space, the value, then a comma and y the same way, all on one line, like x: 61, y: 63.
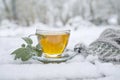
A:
x: 32, y: 35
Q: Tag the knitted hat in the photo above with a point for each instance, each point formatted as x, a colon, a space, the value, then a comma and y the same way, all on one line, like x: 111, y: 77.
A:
x: 107, y: 46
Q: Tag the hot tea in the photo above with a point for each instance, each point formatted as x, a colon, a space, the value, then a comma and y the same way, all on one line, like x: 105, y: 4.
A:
x: 53, y: 43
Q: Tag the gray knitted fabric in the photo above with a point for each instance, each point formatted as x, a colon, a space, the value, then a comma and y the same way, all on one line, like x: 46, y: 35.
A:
x: 107, y: 46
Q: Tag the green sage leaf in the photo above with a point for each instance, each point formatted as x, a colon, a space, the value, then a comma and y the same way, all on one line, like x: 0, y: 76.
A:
x: 22, y: 53
x: 27, y: 51
x: 28, y: 40
x: 23, y: 45
x: 38, y: 46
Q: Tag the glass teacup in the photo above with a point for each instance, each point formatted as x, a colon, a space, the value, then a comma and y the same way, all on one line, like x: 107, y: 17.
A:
x: 53, y: 43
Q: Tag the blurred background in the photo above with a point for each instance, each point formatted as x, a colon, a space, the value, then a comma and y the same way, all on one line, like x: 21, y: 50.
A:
x: 59, y: 12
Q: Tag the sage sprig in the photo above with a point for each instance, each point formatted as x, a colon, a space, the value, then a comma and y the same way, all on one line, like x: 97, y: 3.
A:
x: 26, y: 51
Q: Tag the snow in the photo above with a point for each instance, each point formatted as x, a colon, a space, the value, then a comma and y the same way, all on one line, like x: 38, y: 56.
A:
x: 50, y: 71
x: 79, y: 68
x: 113, y: 20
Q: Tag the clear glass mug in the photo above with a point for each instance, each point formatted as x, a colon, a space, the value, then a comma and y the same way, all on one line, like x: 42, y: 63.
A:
x: 53, y: 43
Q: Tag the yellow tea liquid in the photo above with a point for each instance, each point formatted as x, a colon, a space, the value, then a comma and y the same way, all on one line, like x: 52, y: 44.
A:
x: 53, y: 44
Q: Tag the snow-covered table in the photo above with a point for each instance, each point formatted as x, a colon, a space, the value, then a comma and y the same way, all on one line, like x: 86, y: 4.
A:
x: 75, y: 69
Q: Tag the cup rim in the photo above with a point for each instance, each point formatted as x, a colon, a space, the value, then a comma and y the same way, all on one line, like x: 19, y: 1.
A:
x: 40, y: 31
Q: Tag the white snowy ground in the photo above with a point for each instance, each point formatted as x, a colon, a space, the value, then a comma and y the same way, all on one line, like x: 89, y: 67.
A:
x: 75, y: 69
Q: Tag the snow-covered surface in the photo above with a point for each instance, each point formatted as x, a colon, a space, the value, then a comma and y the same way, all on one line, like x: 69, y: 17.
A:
x: 75, y: 69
